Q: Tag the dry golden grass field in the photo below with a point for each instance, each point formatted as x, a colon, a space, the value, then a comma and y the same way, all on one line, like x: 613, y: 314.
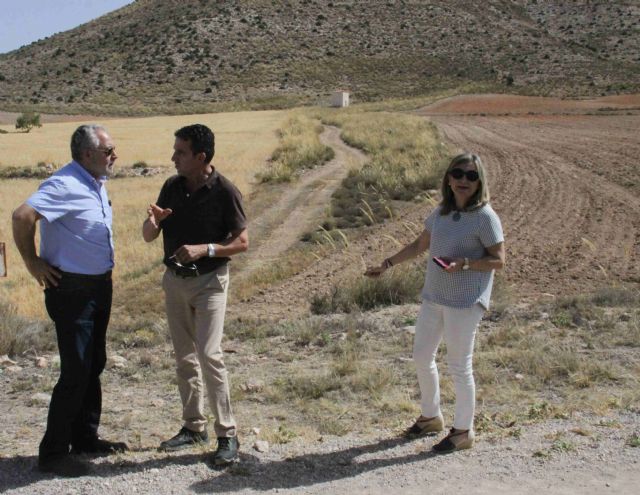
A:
x: 244, y: 142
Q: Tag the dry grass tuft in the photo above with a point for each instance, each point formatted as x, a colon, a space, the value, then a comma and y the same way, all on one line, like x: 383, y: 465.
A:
x: 299, y: 148
x: 401, y: 286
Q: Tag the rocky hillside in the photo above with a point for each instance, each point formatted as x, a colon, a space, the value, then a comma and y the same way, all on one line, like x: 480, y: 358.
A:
x: 197, y: 55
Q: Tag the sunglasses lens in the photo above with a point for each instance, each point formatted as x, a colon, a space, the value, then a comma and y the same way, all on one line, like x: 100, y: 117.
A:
x: 458, y: 173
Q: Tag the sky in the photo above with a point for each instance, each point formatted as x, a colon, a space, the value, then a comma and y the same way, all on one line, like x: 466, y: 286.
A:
x: 25, y: 21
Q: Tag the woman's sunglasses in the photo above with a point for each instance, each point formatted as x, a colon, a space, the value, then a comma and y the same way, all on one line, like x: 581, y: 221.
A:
x: 458, y: 173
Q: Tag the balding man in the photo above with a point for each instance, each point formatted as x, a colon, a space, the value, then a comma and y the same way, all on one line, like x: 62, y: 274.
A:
x: 74, y: 267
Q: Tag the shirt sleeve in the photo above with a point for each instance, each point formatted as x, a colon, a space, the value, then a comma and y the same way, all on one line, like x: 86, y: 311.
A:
x: 490, y: 229
x: 430, y: 220
x: 236, y: 218
x: 51, y: 199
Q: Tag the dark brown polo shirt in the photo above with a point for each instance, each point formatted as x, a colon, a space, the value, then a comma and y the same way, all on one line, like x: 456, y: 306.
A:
x: 207, y: 215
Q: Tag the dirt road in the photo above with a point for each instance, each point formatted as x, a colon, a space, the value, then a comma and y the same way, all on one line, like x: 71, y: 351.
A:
x: 300, y: 207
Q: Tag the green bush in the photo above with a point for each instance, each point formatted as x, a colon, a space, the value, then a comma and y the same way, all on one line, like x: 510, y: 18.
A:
x: 28, y: 121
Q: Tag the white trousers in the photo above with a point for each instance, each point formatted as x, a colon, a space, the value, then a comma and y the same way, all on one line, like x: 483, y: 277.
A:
x: 458, y: 326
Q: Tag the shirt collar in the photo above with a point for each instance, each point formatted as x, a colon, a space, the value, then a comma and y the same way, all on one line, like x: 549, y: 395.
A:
x: 84, y: 173
x: 211, y: 180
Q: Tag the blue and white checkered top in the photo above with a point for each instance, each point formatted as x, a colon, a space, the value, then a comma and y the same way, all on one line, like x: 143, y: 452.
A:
x: 468, y: 236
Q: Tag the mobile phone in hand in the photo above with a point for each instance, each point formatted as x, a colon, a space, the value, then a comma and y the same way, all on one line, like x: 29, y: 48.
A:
x: 440, y: 262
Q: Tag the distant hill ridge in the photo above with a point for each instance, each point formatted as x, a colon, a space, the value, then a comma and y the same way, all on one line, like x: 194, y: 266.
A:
x: 157, y: 56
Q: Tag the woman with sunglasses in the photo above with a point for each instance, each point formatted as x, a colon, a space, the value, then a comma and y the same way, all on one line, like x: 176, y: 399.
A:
x: 466, y: 244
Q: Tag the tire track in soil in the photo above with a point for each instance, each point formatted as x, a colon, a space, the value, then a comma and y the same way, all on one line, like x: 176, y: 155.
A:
x: 301, y: 206
x: 307, y: 201
x: 550, y: 201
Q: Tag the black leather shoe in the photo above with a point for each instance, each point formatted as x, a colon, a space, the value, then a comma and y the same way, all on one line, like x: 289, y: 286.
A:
x: 184, y: 439
x: 99, y: 446
x: 65, y: 466
x: 227, y: 451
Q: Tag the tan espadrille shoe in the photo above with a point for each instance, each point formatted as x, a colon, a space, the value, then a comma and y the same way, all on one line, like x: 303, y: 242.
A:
x: 425, y: 426
x: 455, y: 440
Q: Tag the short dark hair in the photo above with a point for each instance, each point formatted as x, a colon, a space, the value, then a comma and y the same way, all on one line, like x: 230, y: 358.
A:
x: 201, y: 139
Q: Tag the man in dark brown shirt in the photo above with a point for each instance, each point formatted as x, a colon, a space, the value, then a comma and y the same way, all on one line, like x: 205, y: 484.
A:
x: 202, y: 221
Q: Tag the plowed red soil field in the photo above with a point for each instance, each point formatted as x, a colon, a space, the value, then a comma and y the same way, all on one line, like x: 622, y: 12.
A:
x: 565, y: 181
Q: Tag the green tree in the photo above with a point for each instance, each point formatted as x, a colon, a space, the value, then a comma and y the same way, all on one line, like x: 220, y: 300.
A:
x: 28, y: 120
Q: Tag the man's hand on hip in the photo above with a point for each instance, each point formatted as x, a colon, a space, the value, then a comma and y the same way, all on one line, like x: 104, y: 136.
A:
x: 46, y: 275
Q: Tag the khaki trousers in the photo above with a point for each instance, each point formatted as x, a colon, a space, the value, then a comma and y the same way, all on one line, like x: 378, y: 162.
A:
x: 195, y: 313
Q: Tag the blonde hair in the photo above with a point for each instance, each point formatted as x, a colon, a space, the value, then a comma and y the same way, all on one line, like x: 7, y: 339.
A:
x: 481, y: 196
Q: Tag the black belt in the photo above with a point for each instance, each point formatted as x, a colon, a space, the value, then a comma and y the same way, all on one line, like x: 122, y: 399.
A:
x: 184, y: 272
x: 101, y: 276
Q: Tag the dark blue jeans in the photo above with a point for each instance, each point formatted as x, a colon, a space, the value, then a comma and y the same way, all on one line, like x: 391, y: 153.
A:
x: 80, y: 309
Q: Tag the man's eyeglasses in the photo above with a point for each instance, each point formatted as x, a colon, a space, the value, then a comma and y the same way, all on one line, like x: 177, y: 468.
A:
x: 458, y: 173
x: 108, y: 151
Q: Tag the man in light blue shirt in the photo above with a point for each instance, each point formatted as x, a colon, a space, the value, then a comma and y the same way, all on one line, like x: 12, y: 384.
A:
x: 74, y: 267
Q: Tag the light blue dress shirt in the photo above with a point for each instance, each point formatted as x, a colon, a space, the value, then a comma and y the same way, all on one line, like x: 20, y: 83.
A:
x: 75, y: 233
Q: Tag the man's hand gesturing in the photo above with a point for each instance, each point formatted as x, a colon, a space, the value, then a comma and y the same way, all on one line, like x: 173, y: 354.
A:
x: 157, y: 214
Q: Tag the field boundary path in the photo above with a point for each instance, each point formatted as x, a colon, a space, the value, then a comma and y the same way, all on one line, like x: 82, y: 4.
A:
x: 301, y: 205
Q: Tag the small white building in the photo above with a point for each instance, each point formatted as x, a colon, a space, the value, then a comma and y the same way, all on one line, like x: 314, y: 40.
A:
x: 340, y: 99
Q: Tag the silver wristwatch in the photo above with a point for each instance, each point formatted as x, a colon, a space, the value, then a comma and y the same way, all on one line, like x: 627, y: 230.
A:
x: 466, y: 264
x: 211, y: 251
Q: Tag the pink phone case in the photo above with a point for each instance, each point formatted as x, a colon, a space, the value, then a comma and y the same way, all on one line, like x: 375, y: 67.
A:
x: 440, y: 262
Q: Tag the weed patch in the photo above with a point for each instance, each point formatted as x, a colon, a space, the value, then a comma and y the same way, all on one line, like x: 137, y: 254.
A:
x: 406, y: 161
x: 299, y: 148
x: 399, y: 287
x: 19, y: 334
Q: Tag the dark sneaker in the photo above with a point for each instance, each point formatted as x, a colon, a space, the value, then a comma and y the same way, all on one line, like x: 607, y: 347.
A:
x: 99, y: 446
x: 65, y: 466
x: 184, y: 439
x: 227, y: 451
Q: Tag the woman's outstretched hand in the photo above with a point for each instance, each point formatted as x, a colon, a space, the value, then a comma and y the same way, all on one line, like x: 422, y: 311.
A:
x: 375, y: 271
